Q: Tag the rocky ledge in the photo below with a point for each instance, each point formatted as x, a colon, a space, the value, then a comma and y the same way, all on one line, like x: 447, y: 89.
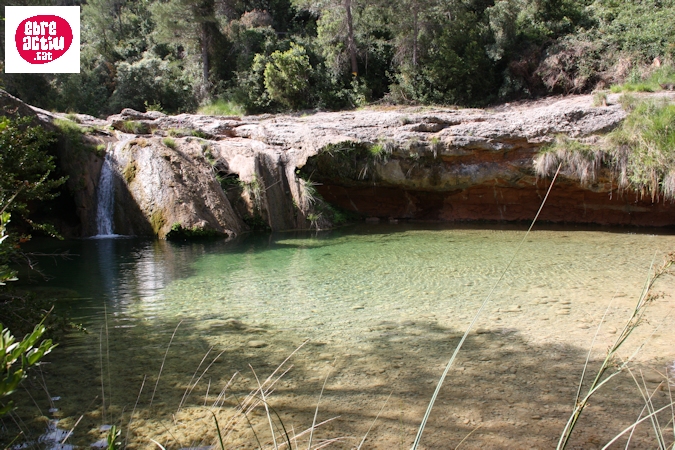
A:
x: 194, y: 174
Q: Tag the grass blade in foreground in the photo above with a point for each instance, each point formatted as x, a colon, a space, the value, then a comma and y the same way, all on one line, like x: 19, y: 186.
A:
x: 633, y: 322
x: 420, y: 431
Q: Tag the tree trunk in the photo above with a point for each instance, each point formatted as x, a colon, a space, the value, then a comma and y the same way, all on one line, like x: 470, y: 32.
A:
x: 205, y: 55
x: 351, y: 45
x: 415, y: 33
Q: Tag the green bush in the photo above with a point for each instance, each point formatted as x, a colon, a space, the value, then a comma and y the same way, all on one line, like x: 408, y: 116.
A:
x: 287, y: 77
x: 6, y: 251
x: 151, y: 81
x: 169, y: 142
x: 643, y: 148
x: 134, y: 127
x: 221, y: 107
x: 16, y: 358
x: 179, y: 232
x: 455, y: 68
x: 661, y: 78
x: 640, y: 153
x: 25, y: 167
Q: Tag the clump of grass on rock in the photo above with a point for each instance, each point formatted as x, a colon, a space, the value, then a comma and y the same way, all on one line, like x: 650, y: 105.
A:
x: 640, y: 154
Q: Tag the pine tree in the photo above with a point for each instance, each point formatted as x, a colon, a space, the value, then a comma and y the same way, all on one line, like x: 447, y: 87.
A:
x: 192, y: 24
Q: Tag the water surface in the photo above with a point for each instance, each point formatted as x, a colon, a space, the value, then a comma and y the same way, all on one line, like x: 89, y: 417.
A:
x: 381, y: 307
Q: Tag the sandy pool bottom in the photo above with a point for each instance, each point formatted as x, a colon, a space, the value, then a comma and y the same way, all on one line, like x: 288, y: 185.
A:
x: 512, y: 386
x: 379, y: 330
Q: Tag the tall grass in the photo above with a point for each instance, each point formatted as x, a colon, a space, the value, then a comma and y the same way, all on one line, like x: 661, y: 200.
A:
x: 652, y: 81
x: 222, y: 107
x: 643, y: 148
x: 578, y: 159
x: 611, y: 366
x: 639, y: 155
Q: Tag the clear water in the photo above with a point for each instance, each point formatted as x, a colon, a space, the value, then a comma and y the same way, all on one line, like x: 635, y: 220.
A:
x: 382, y: 307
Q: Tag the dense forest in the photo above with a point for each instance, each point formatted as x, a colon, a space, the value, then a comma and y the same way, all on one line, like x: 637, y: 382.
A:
x: 273, y: 55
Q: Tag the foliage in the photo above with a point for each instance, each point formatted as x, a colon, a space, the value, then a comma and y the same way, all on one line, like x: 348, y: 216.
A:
x: 154, y: 81
x: 287, y: 77
x: 643, y: 148
x: 134, y: 127
x: 640, y: 153
x: 579, y: 160
x: 600, y: 99
x: 179, y: 232
x: 169, y: 142
x: 275, y: 55
x: 6, y: 273
x: 16, y: 358
x: 454, y: 67
x: 656, y: 80
x: 257, y: 223
x: 25, y: 168
x: 221, y: 107
x: 111, y: 438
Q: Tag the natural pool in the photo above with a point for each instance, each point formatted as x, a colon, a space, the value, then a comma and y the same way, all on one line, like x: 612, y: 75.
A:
x: 382, y: 307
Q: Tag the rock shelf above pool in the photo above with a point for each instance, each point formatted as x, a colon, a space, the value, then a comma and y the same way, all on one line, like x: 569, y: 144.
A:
x: 193, y: 175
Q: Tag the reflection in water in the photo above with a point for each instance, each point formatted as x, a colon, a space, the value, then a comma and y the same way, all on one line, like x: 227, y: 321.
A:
x: 387, y: 302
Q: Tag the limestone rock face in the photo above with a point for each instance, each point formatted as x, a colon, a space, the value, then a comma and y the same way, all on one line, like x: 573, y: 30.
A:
x: 226, y: 174
x: 173, y: 189
x: 431, y: 163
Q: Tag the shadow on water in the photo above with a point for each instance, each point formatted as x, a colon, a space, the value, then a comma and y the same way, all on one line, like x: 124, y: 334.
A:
x: 508, y: 392
x: 505, y: 389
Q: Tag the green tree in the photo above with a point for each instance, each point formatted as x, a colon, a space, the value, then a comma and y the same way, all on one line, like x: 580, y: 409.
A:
x: 287, y: 76
x: 25, y: 168
x: 6, y: 273
x: 451, y: 65
x: 151, y: 81
x: 192, y: 24
x: 336, y: 30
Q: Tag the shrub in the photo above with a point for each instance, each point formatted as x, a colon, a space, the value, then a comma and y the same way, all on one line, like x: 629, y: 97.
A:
x: 134, y: 127
x: 661, y: 78
x: 169, y: 142
x: 222, y: 107
x: 25, y: 166
x: 287, y: 77
x: 640, y: 153
x: 16, y: 358
x: 600, y: 99
x: 643, y: 148
x: 179, y: 232
x: 151, y: 81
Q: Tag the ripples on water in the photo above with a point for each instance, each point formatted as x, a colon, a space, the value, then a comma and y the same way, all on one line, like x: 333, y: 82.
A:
x: 389, y: 297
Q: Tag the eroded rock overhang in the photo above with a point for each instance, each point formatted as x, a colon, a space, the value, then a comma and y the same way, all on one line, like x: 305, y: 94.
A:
x: 227, y: 174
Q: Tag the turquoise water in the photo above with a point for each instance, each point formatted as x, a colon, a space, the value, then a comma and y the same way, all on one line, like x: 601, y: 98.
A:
x: 380, y: 305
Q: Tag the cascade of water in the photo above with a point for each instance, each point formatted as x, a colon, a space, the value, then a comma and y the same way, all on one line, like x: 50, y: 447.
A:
x: 106, y: 199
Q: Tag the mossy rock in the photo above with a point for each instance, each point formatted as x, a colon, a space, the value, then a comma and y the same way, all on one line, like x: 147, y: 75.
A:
x: 178, y: 232
x: 157, y: 221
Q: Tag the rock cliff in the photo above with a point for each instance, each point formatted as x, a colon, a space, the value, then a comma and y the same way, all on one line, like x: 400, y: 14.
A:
x: 194, y: 174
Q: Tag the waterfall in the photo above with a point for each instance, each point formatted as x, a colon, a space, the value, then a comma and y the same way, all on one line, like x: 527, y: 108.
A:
x: 105, y: 199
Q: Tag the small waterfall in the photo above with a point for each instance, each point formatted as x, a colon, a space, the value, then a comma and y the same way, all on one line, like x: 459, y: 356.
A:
x: 106, y: 199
